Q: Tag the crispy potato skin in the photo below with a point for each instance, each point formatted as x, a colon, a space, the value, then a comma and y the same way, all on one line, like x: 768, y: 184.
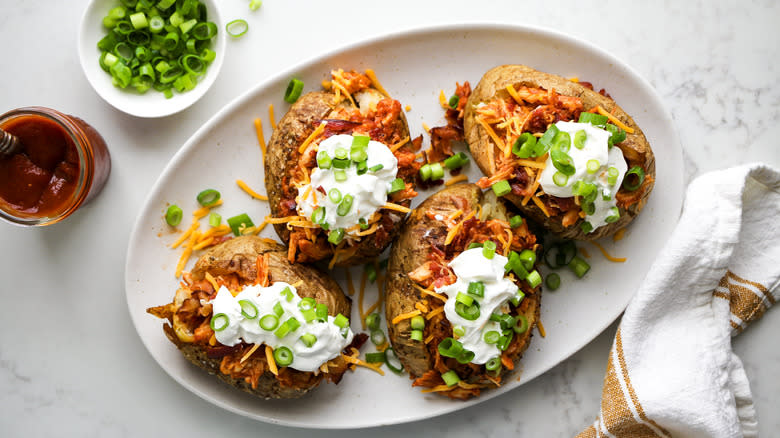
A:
x: 635, y: 147
x: 238, y: 256
x: 411, y: 250
x: 281, y: 156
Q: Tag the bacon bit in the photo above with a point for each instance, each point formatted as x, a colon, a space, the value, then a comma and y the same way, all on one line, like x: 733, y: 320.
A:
x: 607, y: 255
x: 619, y: 235
x: 404, y: 316
x: 260, y: 136
x: 271, y: 115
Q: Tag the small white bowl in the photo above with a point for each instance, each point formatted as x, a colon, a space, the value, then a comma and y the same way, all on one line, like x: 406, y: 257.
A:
x: 152, y: 103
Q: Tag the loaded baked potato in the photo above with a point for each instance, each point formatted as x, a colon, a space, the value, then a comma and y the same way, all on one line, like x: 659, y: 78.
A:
x: 462, y: 292
x: 339, y: 171
x: 249, y: 340
x: 521, y: 127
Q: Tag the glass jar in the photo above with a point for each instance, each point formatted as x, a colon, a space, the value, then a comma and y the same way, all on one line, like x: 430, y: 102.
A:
x: 63, y: 164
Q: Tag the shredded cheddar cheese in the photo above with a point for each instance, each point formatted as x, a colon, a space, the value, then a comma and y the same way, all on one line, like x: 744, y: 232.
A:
x: 271, y: 115
x: 186, y: 235
x: 540, y: 327
x: 260, y: 136
x: 426, y: 127
x: 434, y: 312
x: 408, y: 108
x: 282, y: 220
x: 317, y: 131
x: 498, y: 142
x: 210, y: 278
x: 249, y: 191
x: 584, y: 252
x: 619, y: 235
x: 531, y: 163
x: 404, y: 316
x: 203, y: 211
x: 375, y: 82
x: 398, y: 145
x: 614, y: 119
x: 456, y: 179
x: 421, y: 307
x: 185, y: 256
x: 358, y: 362
x: 607, y: 255
x: 574, y: 79
x: 540, y: 204
x: 269, y: 356
x: 249, y: 353
x: 512, y: 92
x: 429, y: 339
x: 203, y: 243
x: 443, y: 100
x: 396, y: 207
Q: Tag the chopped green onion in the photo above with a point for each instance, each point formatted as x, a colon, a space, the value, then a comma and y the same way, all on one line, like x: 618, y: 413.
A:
x: 308, y: 339
x: 450, y: 347
x: 528, y: 258
x: 425, y: 172
x: 248, y: 309
x: 614, y: 215
x: 237, y: 28
x: 464, y: 299
x: 562, y: 141
x: 287, y: 294
x: 465, y: 356
x: 504, y: 341
x: 579, y: 139
x: 372, y: 321
x: 208, y: 197
x: 456, y: 161
x: 488, y: 249
x: 560, y: 179
x: 450, y: 378
x: 322, y: 312
x: 579, y: 266
x: 515, y: 221
x: 173, y: 215
x: 340, y: 153
x: 334, y: 195
x: 121, y: 74
x: 376, y: 168
x: 269, y: 322
x: 341, y: 321
x: 491, y: 337
x: 586, y: 227
x: 593, y: 119
x: 501, y: 188
x: 309, y: 315
x: 294, y: 87
x: 214, y: 219
x: 468, y: 312
x: 522, y: 324
x: 416, y: 335
x: 219, y: 322
x: 592, y: 166
x: 473, y: 245
x: 392, y: 362
x: 534, y: 279
x: 476, y: 288
x: 588, y: 207
x: 282, y: 330
x: 612, y: 175
x: 318, y: 215
x: 606, y: 194
x: 437, y: 172
x: 188, y: 25
x: 283, y: 356
x: 618, y: 134
x: 345, y: 206
x: 493, y: 364
x: 307, y: 303
x: 360, y: 141
x: 336, y: 236
x: 518, y: 298
x: 545, y: 142
x: 453, y: 102
x: 553, y: 281
x: 278, y: 309
x: 138, y: 20
x: 362, y: 167
x: 525, y: 145
x: 375, y: 357
x: 397, y: 185
x: 378, y: 337
x: 556, y: 256
x: 339, y: 175
x: 634, y: 178
x: 562, y: 161
x: 371, y: 272
x: 515, y: 265
x: 458, y: 331
x: 239, y: 223
x: 418, y: 322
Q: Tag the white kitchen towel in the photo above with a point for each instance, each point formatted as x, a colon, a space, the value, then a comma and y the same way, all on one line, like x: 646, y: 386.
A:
x: 671, y: 371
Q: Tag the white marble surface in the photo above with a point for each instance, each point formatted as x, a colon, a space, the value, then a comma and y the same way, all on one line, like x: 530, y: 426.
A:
x: 71, y: 363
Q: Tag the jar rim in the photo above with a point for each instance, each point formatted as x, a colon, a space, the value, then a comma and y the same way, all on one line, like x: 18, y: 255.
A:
x: 79, y: 139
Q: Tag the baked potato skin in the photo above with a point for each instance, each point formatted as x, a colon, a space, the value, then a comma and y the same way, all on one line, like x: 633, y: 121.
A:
x: 635, y: 147
x: 238, y: 256
x: 282, y: 155
x: 411, y: 250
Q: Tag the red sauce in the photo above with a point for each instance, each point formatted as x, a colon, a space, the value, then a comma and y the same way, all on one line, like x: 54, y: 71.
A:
x: 42, y: 178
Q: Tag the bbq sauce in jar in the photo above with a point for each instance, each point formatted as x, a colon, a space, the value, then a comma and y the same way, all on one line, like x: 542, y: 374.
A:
x: 63, y: 163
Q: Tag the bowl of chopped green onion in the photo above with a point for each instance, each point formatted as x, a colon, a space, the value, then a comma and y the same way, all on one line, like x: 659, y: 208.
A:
x: 151, y: 58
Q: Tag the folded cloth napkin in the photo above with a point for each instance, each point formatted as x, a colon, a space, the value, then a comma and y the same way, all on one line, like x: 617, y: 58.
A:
x: 671, y: 371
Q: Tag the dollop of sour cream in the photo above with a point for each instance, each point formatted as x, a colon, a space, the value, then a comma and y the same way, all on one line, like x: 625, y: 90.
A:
x: 596, y: 148
x: 369, y: 191
x: 330, y: 339
x: 471, y: 266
